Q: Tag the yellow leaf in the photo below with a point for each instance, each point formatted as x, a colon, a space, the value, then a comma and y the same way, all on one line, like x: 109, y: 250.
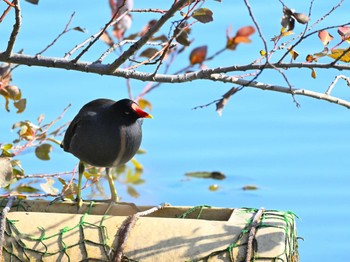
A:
x: 143, y: 103
x: 293, y: 53
x: 262, y: 53
x: 341, y: 54
x: 136, y: 164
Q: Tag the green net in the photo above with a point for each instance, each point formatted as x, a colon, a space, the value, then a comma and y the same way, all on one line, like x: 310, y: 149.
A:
x: 94, y: 237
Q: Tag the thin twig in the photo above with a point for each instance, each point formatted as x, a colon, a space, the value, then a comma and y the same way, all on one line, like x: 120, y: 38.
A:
x: 97, y: 36
x: 124, y: 42
x: 65, y: 30
x: 92, y: 38
x: 330, y: 88
x: 149, y: 10
x: 7, y: 10
x: 15, y: 30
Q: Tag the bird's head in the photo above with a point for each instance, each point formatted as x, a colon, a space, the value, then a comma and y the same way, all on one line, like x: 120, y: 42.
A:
x: 131, y: 109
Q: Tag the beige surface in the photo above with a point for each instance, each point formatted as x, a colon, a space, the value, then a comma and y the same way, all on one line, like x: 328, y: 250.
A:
x: 162, y: 238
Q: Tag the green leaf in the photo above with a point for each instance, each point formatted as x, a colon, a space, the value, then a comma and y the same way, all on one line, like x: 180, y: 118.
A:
x: 42, y: 151
x: 132, y: 192
x: 182, y: 38
x: 26, y: 189
x: 203, y: 15
x: 6, y: 173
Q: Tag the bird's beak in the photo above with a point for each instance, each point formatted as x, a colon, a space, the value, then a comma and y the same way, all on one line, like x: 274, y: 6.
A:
x: 140, y: 112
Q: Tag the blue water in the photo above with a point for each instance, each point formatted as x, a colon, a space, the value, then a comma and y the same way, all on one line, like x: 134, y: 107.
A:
x: 298, y: 158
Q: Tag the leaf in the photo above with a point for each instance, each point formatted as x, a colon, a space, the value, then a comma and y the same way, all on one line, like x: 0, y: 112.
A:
x: 311, y: 58
x: 198, y: 55
x: 79, y: 29
x: 149, y: 52
x: 26, y: 189
x: 313, y: 73
x: 301, y: 18
x: 68, y: 189
x: 250, y: 187
x: 214, y: 175
x: 203, y: 15
x: 34, y: 2
x: 325, y: 37
x: 48, y: 186
x: 20, y: 105
x: 137, y: 164
x: 6, y: 173
x: 13, y: 92
x: 324, y: 52
x: 293, y: 53
x: 262, y: 52
x: 246, y: 31
x: 105, y: 37
x: 182, y: 38
x: 213, y: 187
x: 242, y: 36
x: 341, y: 54
x: 6, y: 150
x: 146, y: 28
x: 132, y: 192
x: 144, y: 104
x: 42, y: 151
x: 344, y: 32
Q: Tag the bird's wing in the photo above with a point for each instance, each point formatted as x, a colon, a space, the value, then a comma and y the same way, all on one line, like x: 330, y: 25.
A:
x: 86, y: 112
x: 70, y: 133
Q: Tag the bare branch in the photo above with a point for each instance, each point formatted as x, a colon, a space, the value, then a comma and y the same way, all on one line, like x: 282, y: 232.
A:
x: 15, y: 29
x: 65, y: 30
x: 330, y: 88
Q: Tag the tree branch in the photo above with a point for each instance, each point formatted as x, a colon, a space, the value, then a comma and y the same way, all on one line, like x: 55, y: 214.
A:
x: 15, y: 30
x: 145, y: 38
x: 215, y: 74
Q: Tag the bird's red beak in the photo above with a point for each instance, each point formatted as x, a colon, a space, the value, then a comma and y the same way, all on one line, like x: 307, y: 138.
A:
x: 140, y: 112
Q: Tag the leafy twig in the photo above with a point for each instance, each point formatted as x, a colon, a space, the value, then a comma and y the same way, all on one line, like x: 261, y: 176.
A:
x: 145, y: 38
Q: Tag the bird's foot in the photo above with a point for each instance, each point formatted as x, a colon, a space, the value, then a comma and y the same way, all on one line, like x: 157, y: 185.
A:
x: 79, y: 202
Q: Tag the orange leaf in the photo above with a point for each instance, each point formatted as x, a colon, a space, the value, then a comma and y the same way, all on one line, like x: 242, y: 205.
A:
x: 325, y: 37
x: 198, y: 55
x: 311, y: 58
x: 313, y: 73
x: 241, y: 39
x: 245, y: 31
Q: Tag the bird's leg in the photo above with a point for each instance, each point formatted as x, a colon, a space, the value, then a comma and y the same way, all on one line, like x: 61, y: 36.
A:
x: 78, y: 199
x: 114, y: 195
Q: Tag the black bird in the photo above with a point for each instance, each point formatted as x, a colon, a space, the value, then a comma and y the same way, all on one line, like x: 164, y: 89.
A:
x: 105, y: 133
